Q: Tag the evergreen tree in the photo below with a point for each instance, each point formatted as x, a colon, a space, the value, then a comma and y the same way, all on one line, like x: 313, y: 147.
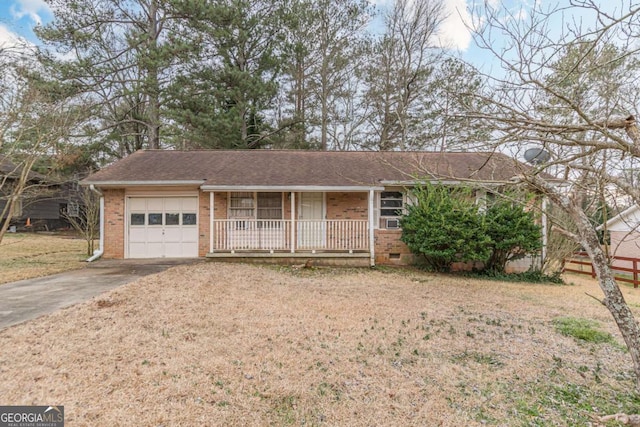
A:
x: 226, y: 99
x: 115, y: 56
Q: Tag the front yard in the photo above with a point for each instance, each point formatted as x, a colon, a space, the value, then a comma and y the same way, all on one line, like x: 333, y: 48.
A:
x: 27, y: 255
x: 232, y: 344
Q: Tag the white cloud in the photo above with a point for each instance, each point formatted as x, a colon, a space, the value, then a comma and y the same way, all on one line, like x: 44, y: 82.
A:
x: 521, y: 15
x: 454, y: 31
x: 30, y: 8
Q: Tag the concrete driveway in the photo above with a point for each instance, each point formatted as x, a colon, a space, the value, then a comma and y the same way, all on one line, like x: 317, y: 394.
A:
x: 31, y: 298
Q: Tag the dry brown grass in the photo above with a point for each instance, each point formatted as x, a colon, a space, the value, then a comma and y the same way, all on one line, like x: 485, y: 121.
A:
x: 28, y: 255
x: 222, y: 344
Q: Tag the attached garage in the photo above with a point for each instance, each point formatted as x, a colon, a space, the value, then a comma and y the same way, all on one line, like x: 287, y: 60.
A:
x: 162, y: 227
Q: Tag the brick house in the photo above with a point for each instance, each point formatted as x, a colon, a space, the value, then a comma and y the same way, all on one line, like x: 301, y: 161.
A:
x: 331, y: 207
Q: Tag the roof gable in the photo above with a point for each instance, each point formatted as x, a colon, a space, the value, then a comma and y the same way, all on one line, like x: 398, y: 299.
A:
x: 627, y: 220
x: 303, y: 168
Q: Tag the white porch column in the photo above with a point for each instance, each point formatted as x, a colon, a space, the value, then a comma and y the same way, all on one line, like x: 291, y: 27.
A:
x: 293, y: 222
x: 211, y: 217
x: 372, y: 246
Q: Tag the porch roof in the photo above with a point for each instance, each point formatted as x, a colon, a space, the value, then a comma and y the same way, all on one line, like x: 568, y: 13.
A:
x: 288, y: 169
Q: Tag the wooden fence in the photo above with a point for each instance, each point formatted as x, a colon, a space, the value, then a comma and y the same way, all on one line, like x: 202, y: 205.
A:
x: 625, y: 269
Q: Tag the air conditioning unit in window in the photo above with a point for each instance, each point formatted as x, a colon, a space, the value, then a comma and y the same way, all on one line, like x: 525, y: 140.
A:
x: 393, y: 223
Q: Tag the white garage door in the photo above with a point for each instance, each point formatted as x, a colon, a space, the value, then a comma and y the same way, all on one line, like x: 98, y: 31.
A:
x: 162, y: 227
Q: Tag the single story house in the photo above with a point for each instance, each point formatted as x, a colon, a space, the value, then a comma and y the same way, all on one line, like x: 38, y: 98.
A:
x: 624, y: 232
x: 333, y: 207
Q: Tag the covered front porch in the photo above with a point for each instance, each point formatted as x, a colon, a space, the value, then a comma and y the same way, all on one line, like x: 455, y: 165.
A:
x: 321, y: 224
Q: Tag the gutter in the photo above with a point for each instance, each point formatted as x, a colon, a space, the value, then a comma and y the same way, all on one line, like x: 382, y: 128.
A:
x: 98, y: 252
x: 167, y: 183
x: 439, y: 181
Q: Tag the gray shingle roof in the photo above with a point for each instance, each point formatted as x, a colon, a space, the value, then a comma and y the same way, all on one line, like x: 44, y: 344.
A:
x: 303, y: 168
x: 10, y: 169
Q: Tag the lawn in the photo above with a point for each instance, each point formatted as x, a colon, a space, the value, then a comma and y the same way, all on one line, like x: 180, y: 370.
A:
x: 233, y: 344
x: 27, y: 255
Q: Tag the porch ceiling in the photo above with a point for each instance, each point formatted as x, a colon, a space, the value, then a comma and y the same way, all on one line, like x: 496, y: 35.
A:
x: 288, y: 188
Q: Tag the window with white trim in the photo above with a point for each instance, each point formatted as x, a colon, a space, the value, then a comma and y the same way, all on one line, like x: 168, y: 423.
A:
x: 250, y: 205
x: 391, y: 208
x: 241, y: 205
x: 269, y: 206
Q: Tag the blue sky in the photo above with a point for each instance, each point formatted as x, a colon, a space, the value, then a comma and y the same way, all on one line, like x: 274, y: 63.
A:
x: 18, y: 17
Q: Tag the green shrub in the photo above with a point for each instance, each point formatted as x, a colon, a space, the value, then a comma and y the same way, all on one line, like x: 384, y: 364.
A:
x: 444, y: 226
x: 513, y: 233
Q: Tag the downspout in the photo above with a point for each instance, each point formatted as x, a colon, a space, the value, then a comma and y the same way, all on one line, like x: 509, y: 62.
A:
x: 372, y: 244
x: 211, y: 220
x: 293, y: 222
x: 98, y: 252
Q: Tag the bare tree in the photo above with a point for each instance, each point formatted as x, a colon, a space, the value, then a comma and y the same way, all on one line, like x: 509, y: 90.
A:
x: 85, y: 217
x: 591, y: 142
x: 32, y: 126
x: 400, y: 68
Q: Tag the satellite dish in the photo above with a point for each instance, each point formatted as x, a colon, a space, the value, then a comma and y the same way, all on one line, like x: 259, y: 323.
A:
x: 536, y: 156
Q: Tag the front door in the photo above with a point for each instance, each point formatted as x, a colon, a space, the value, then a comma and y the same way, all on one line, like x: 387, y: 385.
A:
x: 311, y: 225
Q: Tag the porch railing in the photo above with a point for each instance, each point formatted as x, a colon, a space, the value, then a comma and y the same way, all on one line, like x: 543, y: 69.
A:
x: 285, y: 235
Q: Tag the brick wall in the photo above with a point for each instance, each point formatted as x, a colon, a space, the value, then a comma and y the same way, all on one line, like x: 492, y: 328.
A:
x: 286, y: 202
x: 390, y: 250
x: 347, y: 205
x: 220, y: 205
x: 203, y: 223
x: 114, y: 222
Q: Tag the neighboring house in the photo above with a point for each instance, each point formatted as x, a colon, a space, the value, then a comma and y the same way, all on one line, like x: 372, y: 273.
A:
x: 42, y: 203
x: 333, y: 207
x: 624, y: 231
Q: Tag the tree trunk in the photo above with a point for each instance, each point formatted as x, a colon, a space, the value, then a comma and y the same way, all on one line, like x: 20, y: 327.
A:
x: 300, y: 114
x: 614, y: 300
x: 153, y: 89
x: 5, y: 225
x: 324, y: 112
